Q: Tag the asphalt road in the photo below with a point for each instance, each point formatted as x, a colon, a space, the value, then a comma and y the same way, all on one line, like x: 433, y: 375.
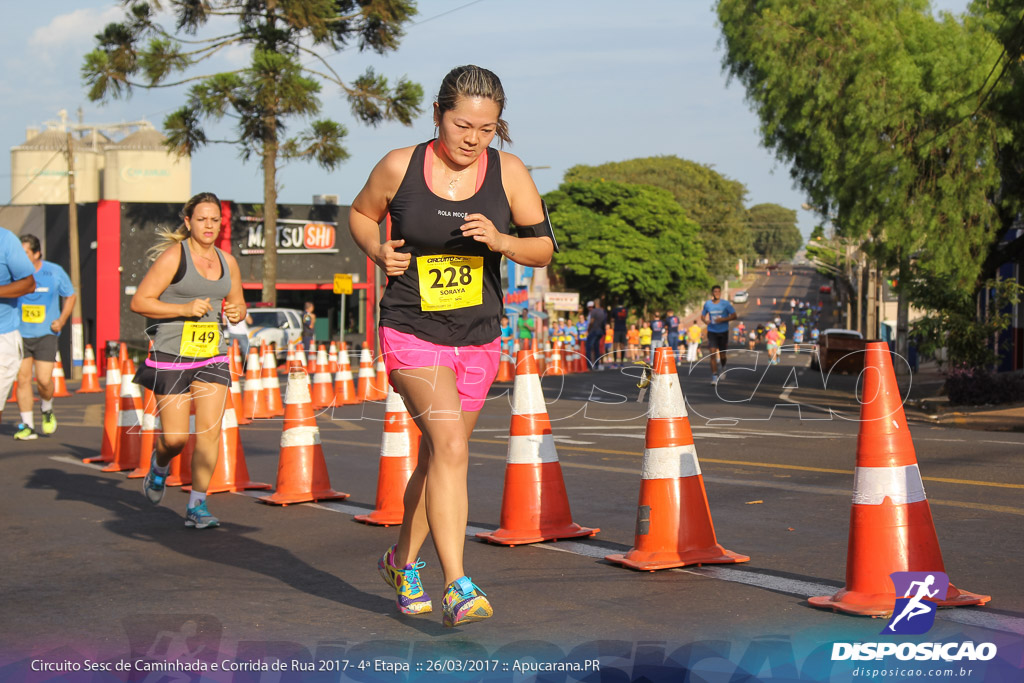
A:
x: 93, y: 572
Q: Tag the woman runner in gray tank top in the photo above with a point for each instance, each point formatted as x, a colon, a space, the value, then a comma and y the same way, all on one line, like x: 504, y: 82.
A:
x: 190, y: 283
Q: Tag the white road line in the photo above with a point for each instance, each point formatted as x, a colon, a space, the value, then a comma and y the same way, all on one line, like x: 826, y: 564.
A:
x: 77, y: 461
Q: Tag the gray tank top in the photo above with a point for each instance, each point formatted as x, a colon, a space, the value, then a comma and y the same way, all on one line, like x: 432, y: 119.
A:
x: 193, y: 338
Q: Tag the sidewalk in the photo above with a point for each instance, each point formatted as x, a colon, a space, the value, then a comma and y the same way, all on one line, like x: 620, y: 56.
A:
x: 926, y: 402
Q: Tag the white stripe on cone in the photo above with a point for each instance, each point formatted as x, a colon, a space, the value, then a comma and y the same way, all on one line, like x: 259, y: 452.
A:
x: 670, y: 462
x: 300, y: 436
x: 902, y: 485
x: 297, y: 390
x: 531, y: 449
x: 527, y: 397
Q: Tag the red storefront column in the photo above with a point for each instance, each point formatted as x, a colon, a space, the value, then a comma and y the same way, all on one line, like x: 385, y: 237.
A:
x: 108, y: 276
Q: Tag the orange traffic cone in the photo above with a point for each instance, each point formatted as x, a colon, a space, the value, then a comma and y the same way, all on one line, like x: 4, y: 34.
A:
x: 270, y: 390
x: 891, y: 528
x: 323, y: 383
x: 150, y: 426
x: 90, y: 378
x: 534, y: 506
x: 344, y: 385
x: 367, y: 389
x: 180, y: 472
x: 758, y: 301
x: 310, y: 359
x: 556, y: 367
x: 505, y: 373
x: 128, y: 445
x: 252, y: 407
x: 235, y: 362
x: 381, y: 382
x: 111, y: 406
x: 674, y: 526
x: 14, y: 393
x: 231, y: 472
x: 60, y: 387
x: 301, y: 470
x: 236, y: 399
x: 399, y: 449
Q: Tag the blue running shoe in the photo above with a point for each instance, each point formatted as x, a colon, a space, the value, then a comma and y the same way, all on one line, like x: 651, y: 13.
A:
x: 412, y: 599
x: 154, y: 483
x: 464, y: 603
x: 199, y: 517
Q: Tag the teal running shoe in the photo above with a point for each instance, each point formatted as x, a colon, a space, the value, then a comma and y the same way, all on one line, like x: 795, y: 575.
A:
x: 412, y: 599
x: 464, y: 603
x: 154, y: 484
x: 199, y: 517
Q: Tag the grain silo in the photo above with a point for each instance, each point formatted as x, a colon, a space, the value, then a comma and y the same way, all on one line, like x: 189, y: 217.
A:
x: 39, y: 169
x: 140, y: 169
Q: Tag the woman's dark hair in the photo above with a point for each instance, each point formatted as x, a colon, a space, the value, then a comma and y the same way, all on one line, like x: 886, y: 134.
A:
x: 473, y: 81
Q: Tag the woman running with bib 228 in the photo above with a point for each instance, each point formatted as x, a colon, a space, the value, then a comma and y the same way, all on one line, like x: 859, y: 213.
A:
x: 451, y: 202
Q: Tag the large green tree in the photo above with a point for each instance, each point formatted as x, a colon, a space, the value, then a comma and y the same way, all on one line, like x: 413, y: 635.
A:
x: 874, y: 105
x: 632, y: 242
x: 775, y: 233
x: 290, y: 43
x: 714, y: 201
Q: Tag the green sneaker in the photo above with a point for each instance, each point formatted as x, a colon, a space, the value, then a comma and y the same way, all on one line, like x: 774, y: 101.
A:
x: 49, y: 422
x: 463, y: 603
x: 25, y: 433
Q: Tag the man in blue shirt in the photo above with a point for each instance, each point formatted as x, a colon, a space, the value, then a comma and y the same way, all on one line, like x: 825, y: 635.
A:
x: 672, y: 328
x: 41, y: 319
x: 716, y: 314
x: 16, y: 278
x: 657, y: 334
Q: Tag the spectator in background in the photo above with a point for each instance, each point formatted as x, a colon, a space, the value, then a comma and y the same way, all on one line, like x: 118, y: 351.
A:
x: 524, y: 329
x: 619, y: 341
x: 240, y: 332
x: 645, y: 340
x: 633, y: 344
x: 506, y: 336
x: 692, y: 342
x: 581, y: 332
x: 308, y: 326
x: 595, y: 331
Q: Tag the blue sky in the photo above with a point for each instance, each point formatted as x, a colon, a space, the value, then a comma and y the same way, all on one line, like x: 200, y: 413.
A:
x: 587, y: 81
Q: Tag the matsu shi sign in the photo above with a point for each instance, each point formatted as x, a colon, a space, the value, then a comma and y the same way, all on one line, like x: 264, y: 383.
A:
x: 293, y: 236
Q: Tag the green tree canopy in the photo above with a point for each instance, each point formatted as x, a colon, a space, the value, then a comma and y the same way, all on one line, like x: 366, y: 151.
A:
x: 775, y: 233
x: 280, y: 83
x: 632, y: 242
x: 875, y: 105
x: 715, y: 202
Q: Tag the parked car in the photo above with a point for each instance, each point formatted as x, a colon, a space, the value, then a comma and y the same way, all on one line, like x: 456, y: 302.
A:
x: 740, y: 297
x: 839, y: 350
x: 825, y: 289
x: 277, y: 326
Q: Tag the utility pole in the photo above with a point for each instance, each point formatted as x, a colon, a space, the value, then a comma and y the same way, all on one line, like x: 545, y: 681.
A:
x: 77, y: 335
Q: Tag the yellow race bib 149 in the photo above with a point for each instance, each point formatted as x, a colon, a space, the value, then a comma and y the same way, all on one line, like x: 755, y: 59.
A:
x: 200, y: 340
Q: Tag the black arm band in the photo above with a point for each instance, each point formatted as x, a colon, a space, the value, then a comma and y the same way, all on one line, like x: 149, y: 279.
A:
x: 542, y: 229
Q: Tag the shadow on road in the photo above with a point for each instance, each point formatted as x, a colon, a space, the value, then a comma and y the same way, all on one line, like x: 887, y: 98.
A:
x: 230, y: 545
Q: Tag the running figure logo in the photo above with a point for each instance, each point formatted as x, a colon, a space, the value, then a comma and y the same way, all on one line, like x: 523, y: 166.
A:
x: 915, y: 612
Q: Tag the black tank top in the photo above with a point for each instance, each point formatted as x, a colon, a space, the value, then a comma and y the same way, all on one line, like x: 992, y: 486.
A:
x: 451, y: 293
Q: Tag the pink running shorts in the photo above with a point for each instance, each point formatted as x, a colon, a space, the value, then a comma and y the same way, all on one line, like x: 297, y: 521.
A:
x: 475, y: 367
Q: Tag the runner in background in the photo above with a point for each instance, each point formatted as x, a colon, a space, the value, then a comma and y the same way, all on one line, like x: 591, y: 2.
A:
x: 633, y: 343
x: 595, y: 332
x: 716, y: 314
x: 645, y: 340
x: 525, y: 328
x: 692, y: 342
x: 42, y: 319
x: 658, y: 336
x: 672, y: 326
x: 16, y: 278
x: 619, y: 341
x: 506, y: 337
x: 308, y: 326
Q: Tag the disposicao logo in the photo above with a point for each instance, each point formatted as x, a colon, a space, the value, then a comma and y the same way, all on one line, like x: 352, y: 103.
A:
x: 914, y: 613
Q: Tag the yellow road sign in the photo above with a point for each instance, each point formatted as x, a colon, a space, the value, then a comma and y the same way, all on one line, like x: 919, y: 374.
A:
x: 342, y: 283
